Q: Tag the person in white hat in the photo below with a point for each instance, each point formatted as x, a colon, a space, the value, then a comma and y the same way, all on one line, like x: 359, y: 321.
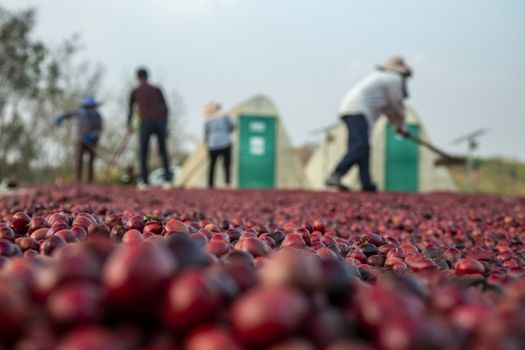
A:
x: 381, y: 92
x: 217, y: 136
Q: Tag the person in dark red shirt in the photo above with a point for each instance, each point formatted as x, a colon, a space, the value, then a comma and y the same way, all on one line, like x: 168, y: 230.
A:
x: 153, y: 113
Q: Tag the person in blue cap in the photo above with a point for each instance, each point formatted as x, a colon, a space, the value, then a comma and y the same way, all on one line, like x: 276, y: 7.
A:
x: 89, y: 128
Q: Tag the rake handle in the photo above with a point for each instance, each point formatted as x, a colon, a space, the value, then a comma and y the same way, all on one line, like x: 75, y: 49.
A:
x: 428, y: 145
x: 118, y: 151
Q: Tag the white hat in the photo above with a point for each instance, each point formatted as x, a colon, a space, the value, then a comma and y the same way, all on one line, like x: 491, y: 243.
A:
x: 211, y: 108
x: 396, y: 64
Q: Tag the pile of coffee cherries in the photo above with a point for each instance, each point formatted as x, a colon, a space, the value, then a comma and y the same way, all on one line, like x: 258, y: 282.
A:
x: 99, y: 267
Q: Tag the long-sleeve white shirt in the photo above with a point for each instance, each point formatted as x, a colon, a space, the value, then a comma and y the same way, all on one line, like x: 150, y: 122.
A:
x: 381, y: 92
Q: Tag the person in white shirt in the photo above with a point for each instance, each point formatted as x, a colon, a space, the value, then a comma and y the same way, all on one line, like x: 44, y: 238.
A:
x: 217, y: 131
x: 381, y: 92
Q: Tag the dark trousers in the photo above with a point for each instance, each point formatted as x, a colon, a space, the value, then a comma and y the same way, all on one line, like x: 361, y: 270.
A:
x: 84, y: 148
x: 358, y: 150
x: 226, y: 154
x: 157, y: 127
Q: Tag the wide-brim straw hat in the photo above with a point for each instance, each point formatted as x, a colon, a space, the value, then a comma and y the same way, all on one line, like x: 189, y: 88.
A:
x: 210, y: 108
x: 396, y: 64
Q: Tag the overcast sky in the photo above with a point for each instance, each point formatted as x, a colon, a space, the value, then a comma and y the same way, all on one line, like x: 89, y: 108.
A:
x: 468, y: 56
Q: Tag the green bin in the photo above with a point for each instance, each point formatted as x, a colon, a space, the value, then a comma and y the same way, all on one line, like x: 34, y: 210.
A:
x: 256, y: 152
x: 401, y: 160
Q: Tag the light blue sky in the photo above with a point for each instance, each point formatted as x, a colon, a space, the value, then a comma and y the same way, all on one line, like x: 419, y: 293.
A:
x: 468, y: 56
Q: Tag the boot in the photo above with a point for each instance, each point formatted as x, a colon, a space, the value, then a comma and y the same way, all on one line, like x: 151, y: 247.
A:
x: 334, y: 180
x: 371, y: 189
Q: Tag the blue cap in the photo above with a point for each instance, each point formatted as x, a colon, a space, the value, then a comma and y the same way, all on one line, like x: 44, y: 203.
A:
x: 90, y: 102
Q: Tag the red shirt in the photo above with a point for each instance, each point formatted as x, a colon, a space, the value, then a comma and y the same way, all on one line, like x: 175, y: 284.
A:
x: 149, y: 100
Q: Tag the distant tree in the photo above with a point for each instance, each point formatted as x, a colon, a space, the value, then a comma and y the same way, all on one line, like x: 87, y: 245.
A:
x: 27, y: 73
x: 177, y: 137
x: 37, y: 83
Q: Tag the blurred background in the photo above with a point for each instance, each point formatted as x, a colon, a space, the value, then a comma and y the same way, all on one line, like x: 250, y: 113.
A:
x: 467, y: 59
